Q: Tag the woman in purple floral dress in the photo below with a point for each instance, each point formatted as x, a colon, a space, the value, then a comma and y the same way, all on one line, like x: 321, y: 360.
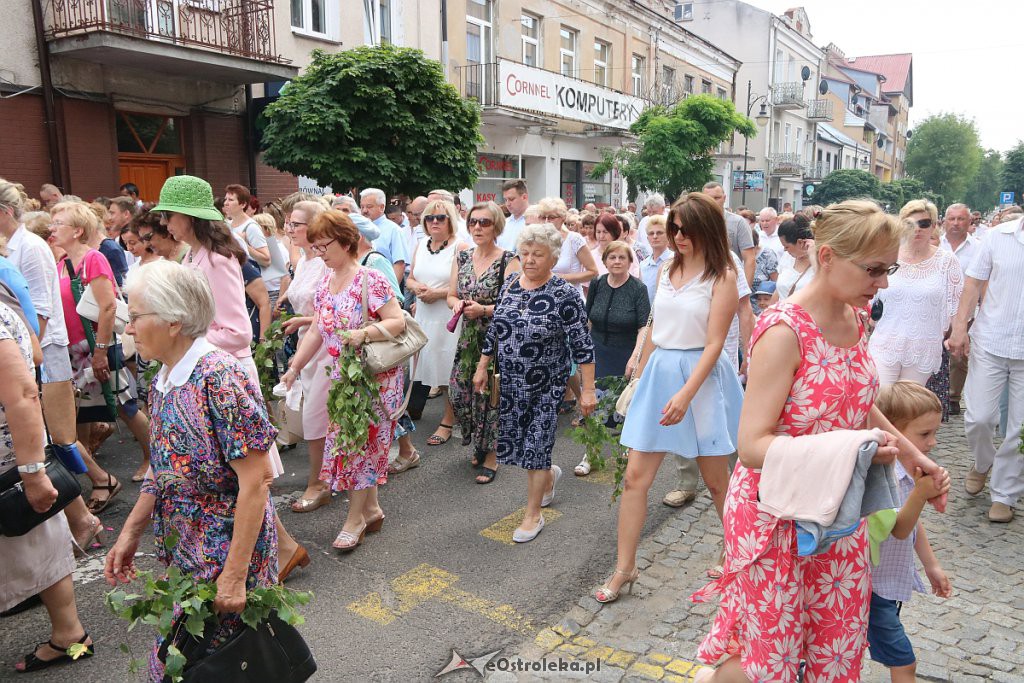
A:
x: 339, y: 322
x: 208, y: 489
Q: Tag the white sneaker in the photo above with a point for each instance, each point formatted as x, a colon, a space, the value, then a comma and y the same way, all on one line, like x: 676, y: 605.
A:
x: 521, y: 536
x: 550, y: 496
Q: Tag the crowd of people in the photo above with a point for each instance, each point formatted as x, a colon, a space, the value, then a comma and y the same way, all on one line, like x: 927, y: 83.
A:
x: 745, y: 337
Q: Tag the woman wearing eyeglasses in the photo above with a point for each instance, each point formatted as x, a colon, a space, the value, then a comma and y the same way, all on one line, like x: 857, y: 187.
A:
x: 919, y: 303
x: 476, y: 280
x: 429, y: 279
x: 797, y: 239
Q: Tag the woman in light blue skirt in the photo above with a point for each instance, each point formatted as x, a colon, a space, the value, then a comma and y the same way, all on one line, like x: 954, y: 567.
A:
x: 688, y: 399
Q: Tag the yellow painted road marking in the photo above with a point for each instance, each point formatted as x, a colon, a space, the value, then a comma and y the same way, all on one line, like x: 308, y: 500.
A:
x: 653, y: 666
x: 425, y: 583
x: 501, y: 531
x: 605, y: 476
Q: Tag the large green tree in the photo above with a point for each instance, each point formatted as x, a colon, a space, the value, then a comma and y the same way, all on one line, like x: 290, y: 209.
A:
x: 983, y: 191
x: 374, y: 116
x: 674, y: 146
x: 1013, y: 172
x: 945, y: 154
x: 848, y: 183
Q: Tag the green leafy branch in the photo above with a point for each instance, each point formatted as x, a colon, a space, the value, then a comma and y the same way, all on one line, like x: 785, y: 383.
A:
x: 350, y: 399
x: 595, y: 435
x: 264, y: 354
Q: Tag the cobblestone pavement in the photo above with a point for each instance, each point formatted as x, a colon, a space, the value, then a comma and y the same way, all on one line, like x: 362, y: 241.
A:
x: 653, y: 634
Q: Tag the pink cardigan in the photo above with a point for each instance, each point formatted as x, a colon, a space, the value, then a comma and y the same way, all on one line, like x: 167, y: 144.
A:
x: 231, y: 329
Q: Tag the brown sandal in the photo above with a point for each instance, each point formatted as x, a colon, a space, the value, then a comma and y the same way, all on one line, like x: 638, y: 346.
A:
x: 95, y: 505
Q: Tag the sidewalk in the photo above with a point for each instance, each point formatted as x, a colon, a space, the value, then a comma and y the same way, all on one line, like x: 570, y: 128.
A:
x: 976, y: 635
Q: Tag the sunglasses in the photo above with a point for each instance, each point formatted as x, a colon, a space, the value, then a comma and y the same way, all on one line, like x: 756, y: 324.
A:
x: 439, y: 217
x: 924, y: 223
x: 482, y: 222
x: 879, y: 271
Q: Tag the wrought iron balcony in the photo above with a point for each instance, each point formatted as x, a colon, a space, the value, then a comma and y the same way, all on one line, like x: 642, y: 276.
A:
x: 788, y: 95
x: 219, y: 39
x: 787, y: 163
x: 819, y: 110
x: 817, y: 171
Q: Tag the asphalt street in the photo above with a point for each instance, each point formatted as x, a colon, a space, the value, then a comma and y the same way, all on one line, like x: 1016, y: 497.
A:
x: 442, y: 575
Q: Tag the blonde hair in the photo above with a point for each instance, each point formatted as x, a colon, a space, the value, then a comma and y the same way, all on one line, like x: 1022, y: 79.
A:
x: 920, y: 206
x: 12, y: 196
x: 857, y: 228
x: 905, y: 401
x: 37, y: 223
x: 80, y: 215
x: 655, y: 220
x: 617, y: 245
x: 311, y: 207
x: 267, y: 222
x: 442, y: 206
x: 550, y: 205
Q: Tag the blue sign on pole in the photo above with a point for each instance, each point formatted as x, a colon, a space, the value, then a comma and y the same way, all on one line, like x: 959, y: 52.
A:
x: 1006, y: 197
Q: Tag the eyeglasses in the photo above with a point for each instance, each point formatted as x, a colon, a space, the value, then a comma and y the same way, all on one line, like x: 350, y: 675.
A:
x: 293, y: 224
x: 879, y: 271
x: 321, y: 248
x: 482, y: 222
x: 550, y: 216
x: 132, y: 317
x: 439, y: 217
x: 58, y: 224
x: 924, y: 223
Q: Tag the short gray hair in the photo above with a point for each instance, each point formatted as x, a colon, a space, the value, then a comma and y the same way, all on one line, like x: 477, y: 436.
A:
x: 345, y: 199
x: 957, y: 207
x: 175, y: 293
x: 443, y: 194
x: 544, y: 234
x: 769, y: 211
x: 655, y: 199
x: 378, y: 195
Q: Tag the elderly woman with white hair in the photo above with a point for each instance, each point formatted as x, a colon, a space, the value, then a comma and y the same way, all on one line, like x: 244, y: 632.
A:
x: 208, y: 490
x: 538, y: 329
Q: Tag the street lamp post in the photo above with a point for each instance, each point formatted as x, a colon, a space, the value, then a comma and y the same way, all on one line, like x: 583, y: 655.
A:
x: 762, y: 120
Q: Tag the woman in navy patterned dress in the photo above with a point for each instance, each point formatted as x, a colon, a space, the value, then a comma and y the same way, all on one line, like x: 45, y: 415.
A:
x: 539, y: 329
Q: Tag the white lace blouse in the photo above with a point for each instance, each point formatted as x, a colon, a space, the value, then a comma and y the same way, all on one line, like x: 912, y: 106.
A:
x: 918, y: 306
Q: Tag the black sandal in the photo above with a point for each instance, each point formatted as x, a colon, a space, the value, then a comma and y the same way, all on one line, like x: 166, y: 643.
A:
x: 488, y: 473
x: 33, y: 663
x: 435, y: 440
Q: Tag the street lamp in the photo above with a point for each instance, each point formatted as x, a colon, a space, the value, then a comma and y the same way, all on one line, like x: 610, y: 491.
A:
x: 762, y: 121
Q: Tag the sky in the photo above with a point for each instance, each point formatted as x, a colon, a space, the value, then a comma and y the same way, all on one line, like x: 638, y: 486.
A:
x: 967, y: 55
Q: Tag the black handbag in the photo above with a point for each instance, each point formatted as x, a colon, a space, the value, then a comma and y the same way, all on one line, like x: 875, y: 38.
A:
x: 17, y: 517
x: 274, y: 651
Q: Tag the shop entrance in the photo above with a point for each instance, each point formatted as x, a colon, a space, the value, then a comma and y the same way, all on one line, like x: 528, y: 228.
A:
x: 149, y: 151
x: 579, y: 188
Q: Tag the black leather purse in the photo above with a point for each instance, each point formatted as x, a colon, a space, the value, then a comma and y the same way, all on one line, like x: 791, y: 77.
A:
x: 274, y: 651
x: 17, y: 517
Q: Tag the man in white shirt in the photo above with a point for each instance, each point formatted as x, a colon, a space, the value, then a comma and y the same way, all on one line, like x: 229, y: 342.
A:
x: 415, y: 233
x: 996, y: 348
x: 655, y: 206
x: 391, y: 242
x: 517, y: 199
x: 768, y: 224
x: 961, y: 243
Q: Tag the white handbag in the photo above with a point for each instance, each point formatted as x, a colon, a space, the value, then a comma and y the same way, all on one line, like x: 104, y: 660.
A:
x: 90, y: 310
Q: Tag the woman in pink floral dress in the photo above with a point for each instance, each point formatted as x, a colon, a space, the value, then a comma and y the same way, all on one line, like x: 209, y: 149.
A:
x: 778, y: 608
x: 338, y: 321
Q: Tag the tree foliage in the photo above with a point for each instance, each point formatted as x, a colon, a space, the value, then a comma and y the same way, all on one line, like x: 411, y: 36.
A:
x: 983, y: 191
x: 673, y: 152
x: 374, y: 116
x: 945, y: 154
x: 847, y: 183
x: 1013, y: 172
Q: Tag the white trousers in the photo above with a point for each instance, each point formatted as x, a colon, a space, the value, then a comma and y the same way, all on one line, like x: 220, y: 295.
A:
x: 988, y: 376
x: 890, y: 374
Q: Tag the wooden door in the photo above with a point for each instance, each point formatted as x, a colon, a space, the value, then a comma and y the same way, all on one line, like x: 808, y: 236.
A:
x: 148, y: 172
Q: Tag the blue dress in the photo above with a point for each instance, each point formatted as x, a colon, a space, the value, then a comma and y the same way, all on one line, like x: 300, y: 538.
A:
x: 537, y: 334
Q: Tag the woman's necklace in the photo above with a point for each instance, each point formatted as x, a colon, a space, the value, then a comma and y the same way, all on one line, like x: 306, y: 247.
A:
x: 439, y: 249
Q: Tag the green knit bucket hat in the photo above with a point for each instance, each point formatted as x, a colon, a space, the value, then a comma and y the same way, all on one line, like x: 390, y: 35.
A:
x: 189, y: 195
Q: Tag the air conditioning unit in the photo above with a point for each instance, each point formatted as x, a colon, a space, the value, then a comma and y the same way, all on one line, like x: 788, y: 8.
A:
x: 684, y: 11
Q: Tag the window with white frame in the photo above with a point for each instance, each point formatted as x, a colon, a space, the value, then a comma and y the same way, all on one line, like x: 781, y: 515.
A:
x: 722, y: 95
x: 789, y: 134
x: 639, y: 66
x: 315, y: 17
x: 479, y: 48
x: 705, y: 87
x: 567, y: 51
x: 668, y: 85
x: 384, y: 21
x: 531, y: 40
x: 687, y: 85
x: 799, y: 144
x: 602, y: 56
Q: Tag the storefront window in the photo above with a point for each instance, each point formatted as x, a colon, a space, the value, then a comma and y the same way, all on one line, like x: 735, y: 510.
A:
x: 578, y: 188
x: 495, y: 169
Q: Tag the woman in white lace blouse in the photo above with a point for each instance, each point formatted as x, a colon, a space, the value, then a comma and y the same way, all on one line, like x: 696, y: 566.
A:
x: 919, y: 303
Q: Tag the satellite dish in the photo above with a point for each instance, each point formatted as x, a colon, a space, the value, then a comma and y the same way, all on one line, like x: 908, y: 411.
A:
x: 910, y: 134
x: 880, y: 143
x: 823, y: 87
x: 805, y: 73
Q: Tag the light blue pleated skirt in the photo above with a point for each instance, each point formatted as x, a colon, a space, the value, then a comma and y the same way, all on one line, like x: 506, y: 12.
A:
x: 712, y: 421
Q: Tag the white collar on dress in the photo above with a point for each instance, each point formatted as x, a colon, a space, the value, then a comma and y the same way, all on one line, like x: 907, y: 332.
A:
x: 171, y: 378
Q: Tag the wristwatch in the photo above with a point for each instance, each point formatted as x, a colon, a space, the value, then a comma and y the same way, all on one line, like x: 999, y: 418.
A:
x: 32, y: 467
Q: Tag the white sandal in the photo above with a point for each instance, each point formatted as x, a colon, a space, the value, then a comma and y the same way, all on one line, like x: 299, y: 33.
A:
x: 583, y: 469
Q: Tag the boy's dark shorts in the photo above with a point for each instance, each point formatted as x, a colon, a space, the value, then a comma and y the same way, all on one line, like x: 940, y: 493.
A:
x: 887, y: 640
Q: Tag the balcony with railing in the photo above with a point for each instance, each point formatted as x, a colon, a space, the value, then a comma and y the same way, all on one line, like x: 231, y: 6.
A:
x: 223, y: 40
x: 819, y: 110
x: 788, y: 95
x: 817, y: 171
x: 785, y: 163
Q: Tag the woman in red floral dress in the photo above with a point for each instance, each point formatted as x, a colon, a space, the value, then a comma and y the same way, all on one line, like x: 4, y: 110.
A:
x: 778, y: 608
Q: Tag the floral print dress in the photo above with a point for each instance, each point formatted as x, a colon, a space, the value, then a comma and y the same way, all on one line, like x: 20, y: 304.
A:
x: 478, y: 419
x: 776, y: 607
x: 336, y: 314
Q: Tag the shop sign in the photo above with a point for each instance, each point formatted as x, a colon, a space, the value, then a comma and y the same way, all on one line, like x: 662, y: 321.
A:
x: 497, y: 166
x: 312, y: 186
x: 755, y: 181
x: 523, y: 87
